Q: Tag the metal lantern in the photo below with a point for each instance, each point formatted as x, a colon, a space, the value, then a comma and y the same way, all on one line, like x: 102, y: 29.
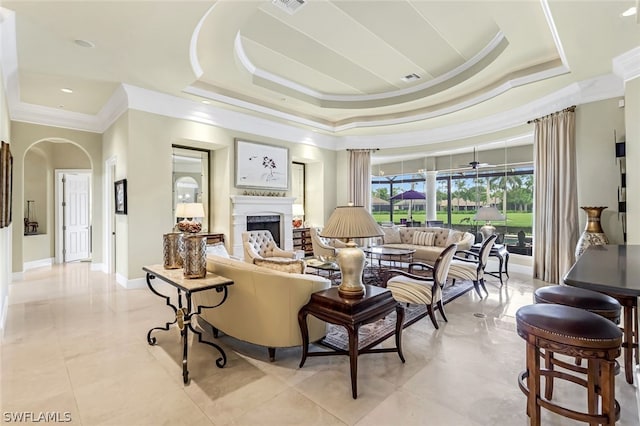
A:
x: 195, y: 256
x: 172, y: 245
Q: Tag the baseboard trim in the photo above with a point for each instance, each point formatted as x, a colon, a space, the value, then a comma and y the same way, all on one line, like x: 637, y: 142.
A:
x: 17, y: 276
x: 130, y: 284
x: 3, y: 313
x: 37, y: 264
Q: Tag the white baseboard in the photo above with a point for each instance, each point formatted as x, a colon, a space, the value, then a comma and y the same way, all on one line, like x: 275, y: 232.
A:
x: 17, y: 276
x: 37, y: 264
x: 3, y: 313
x: 129, y: 284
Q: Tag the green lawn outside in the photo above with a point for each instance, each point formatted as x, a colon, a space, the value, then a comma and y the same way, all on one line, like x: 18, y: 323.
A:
x: 515, y: 220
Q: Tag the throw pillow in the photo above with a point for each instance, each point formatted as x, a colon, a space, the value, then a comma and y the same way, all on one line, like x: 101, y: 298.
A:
x: 454, y: 237
x: 291, y: 266
x: 424, y: 238
x: 218, y: 249
x: 391, y: 235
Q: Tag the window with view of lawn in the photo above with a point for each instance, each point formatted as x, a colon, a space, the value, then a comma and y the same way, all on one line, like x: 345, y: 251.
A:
x: 459, y: 193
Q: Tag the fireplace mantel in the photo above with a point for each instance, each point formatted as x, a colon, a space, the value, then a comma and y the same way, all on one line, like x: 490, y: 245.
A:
x: 252, y: 205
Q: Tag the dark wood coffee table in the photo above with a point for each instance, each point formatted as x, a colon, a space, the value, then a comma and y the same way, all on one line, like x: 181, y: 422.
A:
x: 327, y: 305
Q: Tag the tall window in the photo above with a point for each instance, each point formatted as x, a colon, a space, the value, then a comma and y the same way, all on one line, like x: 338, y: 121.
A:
x: 460, y: 191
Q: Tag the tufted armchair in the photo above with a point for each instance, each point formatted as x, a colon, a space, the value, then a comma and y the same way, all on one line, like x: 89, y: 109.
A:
x: 324, y: 246
x: 261, y: 245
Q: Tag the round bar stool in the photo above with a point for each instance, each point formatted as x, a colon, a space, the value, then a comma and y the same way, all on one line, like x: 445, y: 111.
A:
x: 573, y: 332
x: 592, y: 301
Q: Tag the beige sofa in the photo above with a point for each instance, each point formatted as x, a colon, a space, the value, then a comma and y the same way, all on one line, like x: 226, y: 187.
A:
x: 403, y: 237
x: 262, y: 305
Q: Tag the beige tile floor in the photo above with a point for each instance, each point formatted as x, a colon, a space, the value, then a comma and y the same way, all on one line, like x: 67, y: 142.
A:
x: 75, y: 342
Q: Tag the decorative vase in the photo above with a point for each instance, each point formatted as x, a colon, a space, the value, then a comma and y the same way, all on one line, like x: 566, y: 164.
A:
x: 195, y: 256
x: 593, y: 235
x: 171, y: 250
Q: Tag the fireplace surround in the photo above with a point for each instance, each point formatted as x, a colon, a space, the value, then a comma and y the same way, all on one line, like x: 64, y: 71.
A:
x: 250, y: 205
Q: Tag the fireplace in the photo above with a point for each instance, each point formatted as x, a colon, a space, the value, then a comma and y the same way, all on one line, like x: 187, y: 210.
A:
x: 270, y: 223
x: 248, y: 206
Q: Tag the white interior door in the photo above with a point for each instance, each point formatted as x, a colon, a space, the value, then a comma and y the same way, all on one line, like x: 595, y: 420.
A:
x: 76, y: 217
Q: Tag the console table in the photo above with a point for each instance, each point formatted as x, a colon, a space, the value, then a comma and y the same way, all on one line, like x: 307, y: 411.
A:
x: 184, y: 314
x: 614, y: 270
x: 327, y: 305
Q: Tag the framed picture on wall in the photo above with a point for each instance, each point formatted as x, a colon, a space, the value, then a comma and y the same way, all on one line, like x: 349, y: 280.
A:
x: 261, y: 166
x: 120, y: 192
x: 6, y: 177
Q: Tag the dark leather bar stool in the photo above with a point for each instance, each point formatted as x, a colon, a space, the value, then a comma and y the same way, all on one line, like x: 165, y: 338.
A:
x: 572, y: 332
x: 592, y: 301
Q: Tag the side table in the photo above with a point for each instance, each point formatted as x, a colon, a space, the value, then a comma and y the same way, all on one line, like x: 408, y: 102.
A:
x: 184, y: 314
x: 500, y: 251
x: 327, y: 305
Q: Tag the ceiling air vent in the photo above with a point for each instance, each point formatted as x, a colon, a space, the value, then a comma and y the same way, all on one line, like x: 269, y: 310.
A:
x: 410, y: 77
x: 290, y: 6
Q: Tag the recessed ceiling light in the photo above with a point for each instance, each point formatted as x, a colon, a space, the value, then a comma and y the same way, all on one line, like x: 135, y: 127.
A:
x: 410, y: 77
x: 66, y: 90
x: 84, y: 43
x: 630, y: 12
x: 206, y: 102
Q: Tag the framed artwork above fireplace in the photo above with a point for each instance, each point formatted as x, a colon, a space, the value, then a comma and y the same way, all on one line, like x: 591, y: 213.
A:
x: 261, y: 166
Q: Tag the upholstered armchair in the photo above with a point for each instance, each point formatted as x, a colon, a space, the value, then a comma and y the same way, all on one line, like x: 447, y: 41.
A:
x: 324, y: 246
x: 261, y: 245
x: 471, y: 267
x: 413, y: 288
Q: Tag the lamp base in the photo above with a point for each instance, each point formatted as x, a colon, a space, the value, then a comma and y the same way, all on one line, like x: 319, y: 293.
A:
x: 487, y: 231
x: 351, y: 261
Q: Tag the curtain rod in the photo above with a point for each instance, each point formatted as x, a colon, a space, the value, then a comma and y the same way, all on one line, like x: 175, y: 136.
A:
x: 571, y: 108
x: 363, y: 149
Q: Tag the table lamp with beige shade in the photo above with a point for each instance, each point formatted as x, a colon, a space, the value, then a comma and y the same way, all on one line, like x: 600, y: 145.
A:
x: 488, y: 213
x: 188, y: 212
x: 349, y: 222
x: 297, y: 211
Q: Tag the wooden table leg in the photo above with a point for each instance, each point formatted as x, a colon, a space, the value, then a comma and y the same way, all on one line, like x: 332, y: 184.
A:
x: 353, y: 358
x: 399, y: 323
x: 304, y: 330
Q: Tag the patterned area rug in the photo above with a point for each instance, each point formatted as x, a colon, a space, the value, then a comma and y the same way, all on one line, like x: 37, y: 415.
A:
x: 337, y: 337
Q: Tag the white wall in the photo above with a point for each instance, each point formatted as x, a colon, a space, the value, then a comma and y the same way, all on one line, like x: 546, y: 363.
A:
x: 146, y: 163
x: 7, y: 232
x: 632, y: 120
x: 597, y: 168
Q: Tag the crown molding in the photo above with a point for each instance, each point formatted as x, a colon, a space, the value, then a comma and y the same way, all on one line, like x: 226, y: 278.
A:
x: 627, y: 65
x: 596, y: 89
x: 176, y: 107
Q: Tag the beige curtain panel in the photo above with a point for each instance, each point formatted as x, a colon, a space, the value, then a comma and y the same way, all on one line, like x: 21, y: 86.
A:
x: 555, y: 199
x: 360, y: 178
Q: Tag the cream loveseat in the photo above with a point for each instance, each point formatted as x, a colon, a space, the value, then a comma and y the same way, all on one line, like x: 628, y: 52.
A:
x: 426, y: 251
x: 262, y: 305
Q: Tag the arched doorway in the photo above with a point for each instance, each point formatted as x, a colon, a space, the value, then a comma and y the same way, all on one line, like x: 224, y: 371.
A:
x: 57, y: 194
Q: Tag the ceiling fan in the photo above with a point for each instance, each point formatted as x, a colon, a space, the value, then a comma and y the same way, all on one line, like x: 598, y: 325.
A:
x: 475, y: 163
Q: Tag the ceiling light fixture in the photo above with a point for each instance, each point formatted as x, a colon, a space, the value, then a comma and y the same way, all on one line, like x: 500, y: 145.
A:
x: 410, y: 77
x: 66, y: 90
x: 84, y: 43
x: 206, y: 102
x: 289, y: 6
x: 630, y: 12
